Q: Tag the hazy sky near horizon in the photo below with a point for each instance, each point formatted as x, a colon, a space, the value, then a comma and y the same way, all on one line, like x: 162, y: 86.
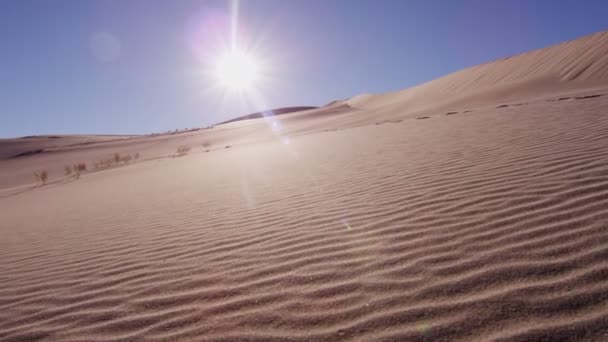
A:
x: 120, y: 66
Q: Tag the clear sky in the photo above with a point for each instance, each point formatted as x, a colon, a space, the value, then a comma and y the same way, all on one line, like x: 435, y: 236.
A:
x: 120, y: 66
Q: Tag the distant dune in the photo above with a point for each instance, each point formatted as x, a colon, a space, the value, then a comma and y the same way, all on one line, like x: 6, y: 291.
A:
x: 272, y: 112
x: 470, y: 208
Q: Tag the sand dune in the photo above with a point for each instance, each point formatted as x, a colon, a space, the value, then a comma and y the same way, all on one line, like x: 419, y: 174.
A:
x: 350, y: 222
x: 571, y: 65
x: 272, y: 112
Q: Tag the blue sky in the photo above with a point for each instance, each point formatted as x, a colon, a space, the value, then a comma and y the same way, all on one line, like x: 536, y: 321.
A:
x: 119, y: 66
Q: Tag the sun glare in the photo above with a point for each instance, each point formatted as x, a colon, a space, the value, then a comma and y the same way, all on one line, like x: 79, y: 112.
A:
x: 236, y: 71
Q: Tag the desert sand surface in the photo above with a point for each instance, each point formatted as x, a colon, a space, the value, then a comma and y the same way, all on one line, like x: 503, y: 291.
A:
x: 470, y: 208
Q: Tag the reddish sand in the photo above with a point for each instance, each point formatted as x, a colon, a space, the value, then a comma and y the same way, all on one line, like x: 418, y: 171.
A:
x: 357, y: 221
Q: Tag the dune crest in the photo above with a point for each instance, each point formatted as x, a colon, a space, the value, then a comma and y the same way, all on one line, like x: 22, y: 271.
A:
x: 571, y: 65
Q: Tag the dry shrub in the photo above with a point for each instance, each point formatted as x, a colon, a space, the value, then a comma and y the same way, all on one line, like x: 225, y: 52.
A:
x: 116, y: 159
x: 124, y: 158
x: 78, y: 169
x: 68, y: 170
x: 182, y: 150
x: 104, y: 164
x: 41, y: 176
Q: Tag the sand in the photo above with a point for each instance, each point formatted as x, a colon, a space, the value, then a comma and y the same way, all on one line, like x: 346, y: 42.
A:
x: 358, y: 221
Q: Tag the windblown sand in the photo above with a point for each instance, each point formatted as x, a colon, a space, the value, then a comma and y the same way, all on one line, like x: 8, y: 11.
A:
x: 358, y: 221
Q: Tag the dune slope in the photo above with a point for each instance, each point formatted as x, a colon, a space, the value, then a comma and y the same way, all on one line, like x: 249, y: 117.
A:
x: 571, y: 65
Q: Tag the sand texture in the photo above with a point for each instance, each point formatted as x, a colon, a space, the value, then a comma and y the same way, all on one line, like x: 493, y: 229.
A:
x: 470, y: 208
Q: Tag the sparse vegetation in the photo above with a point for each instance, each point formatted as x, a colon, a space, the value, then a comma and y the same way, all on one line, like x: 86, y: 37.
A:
x: 78, y: 169
x: 103, y: 164
x: 41, y: 176
x: 116, y: 159
x: 126, y: 158
x: 75, y: 169
x: 183, y: 150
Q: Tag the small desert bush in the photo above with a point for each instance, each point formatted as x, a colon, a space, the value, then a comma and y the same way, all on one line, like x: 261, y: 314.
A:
x: 125, y: 158
x: 182, y: 150
x: 75, y: 169
x: 78, y: 169
x: 41, y: 176
x: 104, y: 163
x: 116, y: 159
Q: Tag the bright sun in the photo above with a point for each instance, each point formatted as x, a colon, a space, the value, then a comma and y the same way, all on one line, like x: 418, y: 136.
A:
x: 236, y: 71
